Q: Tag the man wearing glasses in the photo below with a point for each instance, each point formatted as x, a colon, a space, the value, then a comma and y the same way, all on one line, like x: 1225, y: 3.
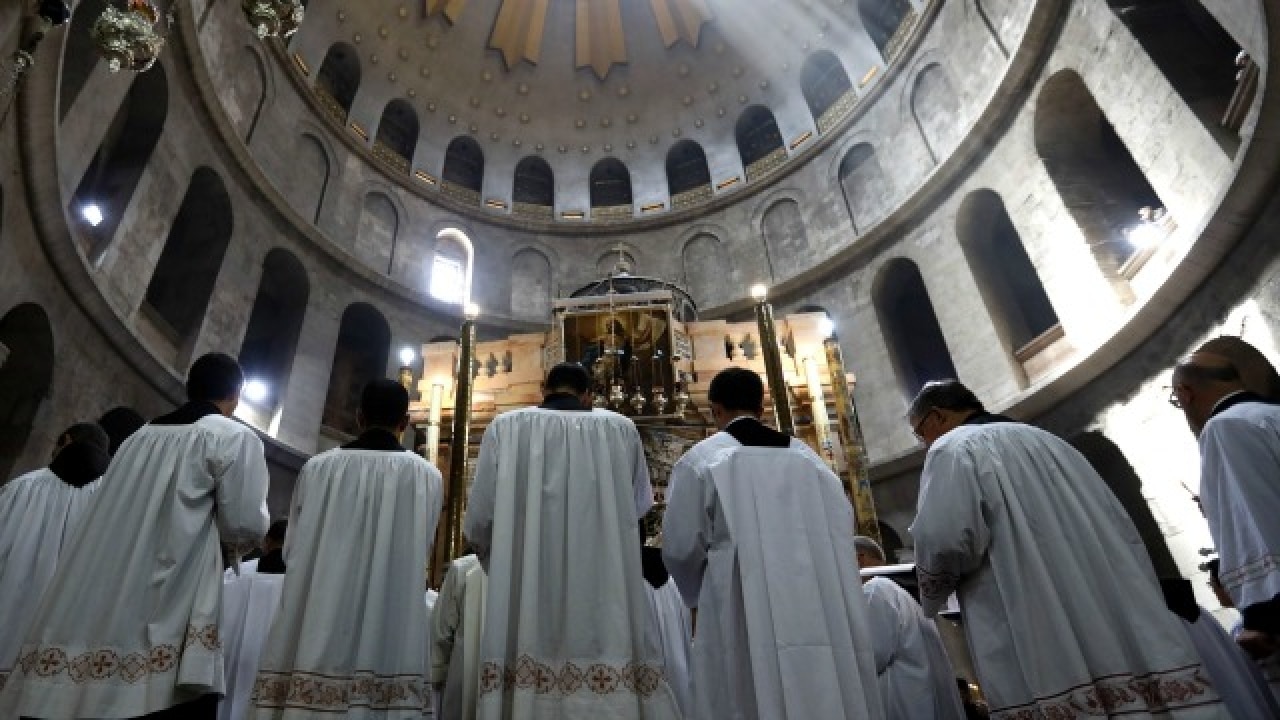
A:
x: 1061, y: 606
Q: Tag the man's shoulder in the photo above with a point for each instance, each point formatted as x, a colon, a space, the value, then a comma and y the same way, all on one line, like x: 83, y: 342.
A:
x: 1244, y: 413
x: 227, y: 428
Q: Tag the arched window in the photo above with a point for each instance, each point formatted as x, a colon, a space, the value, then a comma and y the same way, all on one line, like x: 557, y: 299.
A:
x: 824, y: 83
x: 250, y: 92
x: 610, y: 186
x: 1100, y: 183
x: 26, y: 378
x: 266, y: 354
x: 308, y: 185
x: 1010, y: 287
x: 378, y: 232
x: 531, y: 285
x: 182, y: 284
x: 535, y: 184
x: 916, y: 346
x: 451, y: 267
x: 609, y: 263
x: 687, y: 169
x: 80, y: 56
x: 758, y: 139
x: 464, y: 166
x: 708, y: 270
x: 1196, y: 55
x: 397, y: 137
x: 107, y: 187
x: 935, y: 107
x: 882, y: 18
x: 364, y: 341
x: 864, y: 185
x: 785, y: 236
x: 339, y: 80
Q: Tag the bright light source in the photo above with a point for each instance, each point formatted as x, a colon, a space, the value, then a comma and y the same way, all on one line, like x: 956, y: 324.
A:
x: 1144, y: 235
x: 92, y: 214
x: 759, y: 292
x: 471, y: 311
x: 407, y: 356
x: 448, y: 280
x: 256, y: 391
x: 826, y: 327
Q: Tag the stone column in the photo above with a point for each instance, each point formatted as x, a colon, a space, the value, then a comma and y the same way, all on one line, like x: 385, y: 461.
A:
x: 302, y: 403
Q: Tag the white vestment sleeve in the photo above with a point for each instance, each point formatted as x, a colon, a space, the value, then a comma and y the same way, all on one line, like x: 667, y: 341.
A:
x: 686, y: 530
x: 950, y: 531
x: 640, y: 476
x: 478, y: 523
x: 295, y: 512
x: 884, y: 623
x: 446, y: 617
x: 241, y: 476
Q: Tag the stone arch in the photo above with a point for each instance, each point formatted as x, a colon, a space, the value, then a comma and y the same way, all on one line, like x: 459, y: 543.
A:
x: 26, y: 378
x: 1193, y: 52
x: 786, y: 238
x: 991, y: 13
x: 452, y: 266
x: 311, y: 182
x: 1100, y: 183
x: 708, y: 269
x: 935, y: 108
x: 823, y: 81
x: 917, y: 348
x: 378, y: 231
x: 757, y: 136
x: 184, y: 277
x: 79, y: 54
x: 120, y: 161
x: 687, y: 168
x: 1011, y: 288
x: 360, y: 356
x: 535, y: 183
x: 275, y: 323
x: 398, y: 132
x: 254, y: 90
x: 339, y: 78
x: 882, y: 18
x: 531, y: 285
x: 610, y: 184
x: 464, y: 164
x: 864, y: 186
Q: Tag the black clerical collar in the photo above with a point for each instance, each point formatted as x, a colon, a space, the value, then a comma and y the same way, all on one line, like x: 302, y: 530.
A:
x: 655, y: 571
x: 79, y: 464
x: 376, y: 439
x: 1239, y: 397
x: 271, y: 563
x: 986, y: 418
x: 188, y: 414
x: 563, y: 401
x: 753, y: 433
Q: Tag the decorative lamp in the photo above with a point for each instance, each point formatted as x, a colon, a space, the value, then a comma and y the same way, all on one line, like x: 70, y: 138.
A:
x: 273, y: 18
x: 638, y: 401
x: 129, y: 39
x: 617, y: 396
x: 659, y: 401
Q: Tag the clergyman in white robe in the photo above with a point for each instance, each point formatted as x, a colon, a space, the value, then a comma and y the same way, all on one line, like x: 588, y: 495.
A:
x: 554, y: 513
x: 39, y: 512
x: 457, y: 625
x: 917, y: 681
x: 129, y: 624
x: 249, y: 604
x: 350, y: 637
x: 673, y: 623
x: 1062, y: 609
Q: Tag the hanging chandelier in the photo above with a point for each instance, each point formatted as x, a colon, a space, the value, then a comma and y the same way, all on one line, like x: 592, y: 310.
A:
x: 129, y: 39
x: 48, y: 15
x: 273, y: 18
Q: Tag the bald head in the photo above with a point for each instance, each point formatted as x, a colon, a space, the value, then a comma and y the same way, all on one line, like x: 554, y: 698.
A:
x: 1201, y: 381
x: 870, y: 554
x: 1256, y: 371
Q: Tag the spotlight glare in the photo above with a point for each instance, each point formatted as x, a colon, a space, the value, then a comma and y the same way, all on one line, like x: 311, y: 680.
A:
x: 826, y: 327
x: 406, y: 356
x: 256, y: 391
x: 759, y: 292
x: 92, y: 214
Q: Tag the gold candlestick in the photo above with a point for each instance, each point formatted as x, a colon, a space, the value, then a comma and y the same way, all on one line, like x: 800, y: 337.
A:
x: 773, y: 361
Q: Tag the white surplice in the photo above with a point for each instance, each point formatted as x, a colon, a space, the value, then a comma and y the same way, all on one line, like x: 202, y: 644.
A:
x: 350, y: 636
x: 38, y: 514
x: 1239, y: 467
x: 433, y: 703
x: 674, y: 625
x: 129, y: 624
x: 457, y: 625
x: 917, y: 681
x: 555, y: 507
x: 249, y: 604
x: 1062, y: 609
x: 1235, y: 676
x: 760, y: 540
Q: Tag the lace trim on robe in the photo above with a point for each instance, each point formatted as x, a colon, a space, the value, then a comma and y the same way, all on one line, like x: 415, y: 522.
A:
x: 570, y: 679
x: 339, y: 693
x: 1252, y: 570
x: 1114, y: 695
x: 107, y: 664
x: 936, y: 585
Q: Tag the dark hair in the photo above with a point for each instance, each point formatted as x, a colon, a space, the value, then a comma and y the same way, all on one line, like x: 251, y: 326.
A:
x: 568, y: 376
x: 944, y: 395
x: 214, y: 377
x: 384, y: 403
x: 88, y: 433
x: 737, y: 389
x: 1193, y: 372
x: 277, y: 530
x: 1212, y: 566
x: 120, y: 423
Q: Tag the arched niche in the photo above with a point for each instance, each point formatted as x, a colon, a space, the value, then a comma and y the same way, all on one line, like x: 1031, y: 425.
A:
x: 910, y: 326
x: 308, y: 186
x: 364, y: 341
x: 122, y: 157
x: 339, y: 78
x: 251, y: 91
x: 1011, y: 288
x: 535, y: 183
x: 79, y: 55
x: 398, y: 133
x: 865, y: 188
x: 708, y: 269
x: 882, y: 18
x: 1097, y: 178
x: 823, y: 81
x: 531, y: 289
x: 182, y: 283
x: 757, y: 136
x: 26, y: 378
x: 464, y: 164
x: 1193, y: 51
x: 452, y: 266
x: 687, y: 169
x: 610, y: 184
x: 936, y: 110
x: 378, y: 231
x: 785, y: 236
x: 271, y: 338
